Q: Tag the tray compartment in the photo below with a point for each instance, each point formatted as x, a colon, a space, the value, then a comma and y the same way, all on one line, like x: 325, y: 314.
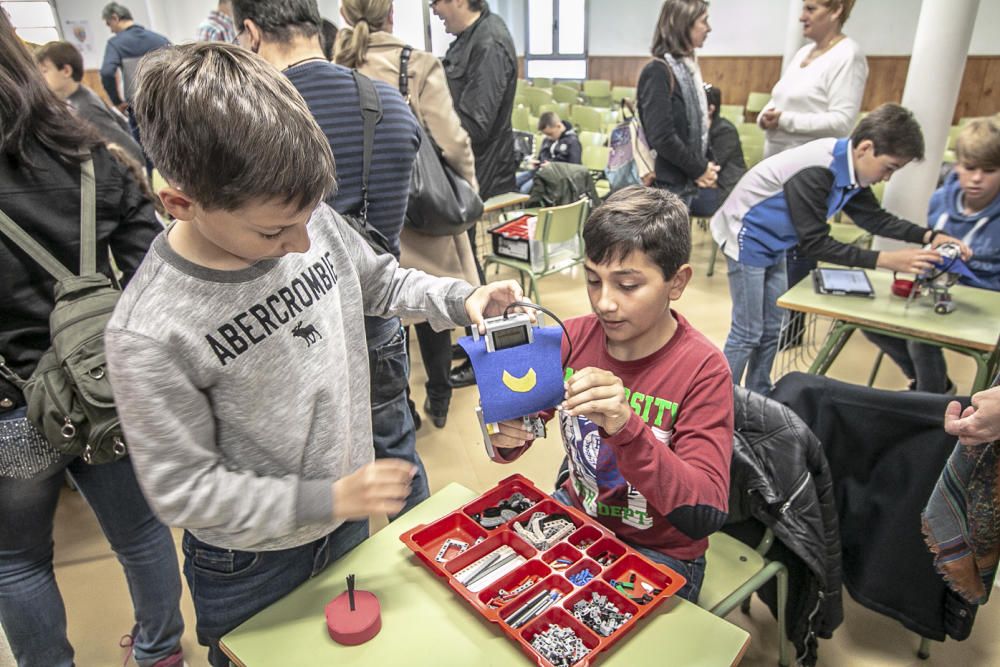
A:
x: 580, y: 566
x: 505, y: 538
x: 613, y: 547
x: 558, y: 616
x: 456, y: 526
x: 585, y: 537
x: 563, y: 551
x: 658, y: 576
x: 533, y: 567
x: 504, y: 490
x: 551, y: 582
x: 614, y: 597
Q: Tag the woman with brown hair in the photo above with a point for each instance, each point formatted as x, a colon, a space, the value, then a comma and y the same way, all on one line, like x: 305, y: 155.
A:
x: 672, y: 104
x: 44, y: 147
x: 366, y: 43
x: 819, y: 93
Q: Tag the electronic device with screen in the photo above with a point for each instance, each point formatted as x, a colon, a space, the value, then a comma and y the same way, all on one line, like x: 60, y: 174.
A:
x: 846, y: 282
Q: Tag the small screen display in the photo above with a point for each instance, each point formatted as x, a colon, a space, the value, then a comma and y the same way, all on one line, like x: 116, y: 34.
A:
x: 509, y: 338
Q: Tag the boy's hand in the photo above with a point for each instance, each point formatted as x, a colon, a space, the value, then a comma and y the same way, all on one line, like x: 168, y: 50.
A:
x: 944, y: 238
x: 512, y: 435
x: 599, y: 396
x: 491, y: 300
x: 908, y: 260
x: 380, y: 487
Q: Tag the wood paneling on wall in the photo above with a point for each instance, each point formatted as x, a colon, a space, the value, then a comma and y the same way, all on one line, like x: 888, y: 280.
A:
x: 737, y: 76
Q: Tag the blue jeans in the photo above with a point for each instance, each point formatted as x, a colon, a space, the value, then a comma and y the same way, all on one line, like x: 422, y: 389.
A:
x: 525, y: 180
x: 922, y: 363
x: 692, y: 570
x: 753, y: 336
x: 229, y: 587
x: 393, y: 434
x: 31, y: 608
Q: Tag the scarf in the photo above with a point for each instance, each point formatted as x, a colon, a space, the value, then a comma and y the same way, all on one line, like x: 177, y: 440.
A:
x: 961, y: 523
x: 688, y: 76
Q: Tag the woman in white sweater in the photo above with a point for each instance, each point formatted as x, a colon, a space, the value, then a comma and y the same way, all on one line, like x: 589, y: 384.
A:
x: 819, y: 94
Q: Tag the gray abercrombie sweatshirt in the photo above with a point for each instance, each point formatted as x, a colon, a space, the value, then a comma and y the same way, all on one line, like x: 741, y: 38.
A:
x: 244, y: 394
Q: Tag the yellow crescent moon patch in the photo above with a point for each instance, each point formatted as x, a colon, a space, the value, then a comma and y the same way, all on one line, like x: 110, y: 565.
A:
x: 521, y: 385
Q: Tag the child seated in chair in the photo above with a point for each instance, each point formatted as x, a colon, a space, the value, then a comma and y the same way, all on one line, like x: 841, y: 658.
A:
x: 647, y: 420
x: 561, y: 144
x: 966, y: 207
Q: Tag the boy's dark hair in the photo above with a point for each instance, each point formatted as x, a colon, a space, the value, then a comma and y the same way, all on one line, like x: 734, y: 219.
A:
x: 115, y: 9
x: 61, y: 54
x: 648, y: 220
x: 228, y: 129
x: 714, y: 97
x: 893, y: 130
x: 280, y: 20
x: 548, y: 119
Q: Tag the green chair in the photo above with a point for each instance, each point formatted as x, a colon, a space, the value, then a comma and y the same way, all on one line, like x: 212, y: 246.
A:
x: 755, y: 104
x: 520, y: 119
x: 564, y: 93
x: 589, y: 138
x: 541, y: 82
x: 753, y: 151
x: 734, y: 571
x: 953, y: 136
x: 561, y: 108
x: 536, y: 97
x: 619, y: 93
x: 597, y: 92
x: 520, y: 85
x: 558, y: 245
x: 595, y: 158
x: 732, y: 112
x: 572, y: 83
x: 587, y: 118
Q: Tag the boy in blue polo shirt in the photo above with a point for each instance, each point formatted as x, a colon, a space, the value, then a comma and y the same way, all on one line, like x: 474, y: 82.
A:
x: 786, y: 200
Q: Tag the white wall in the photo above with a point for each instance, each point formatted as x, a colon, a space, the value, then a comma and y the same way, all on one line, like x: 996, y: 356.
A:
x: 757, y: 27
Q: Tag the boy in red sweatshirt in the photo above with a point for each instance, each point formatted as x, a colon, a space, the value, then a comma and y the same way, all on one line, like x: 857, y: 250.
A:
x: 647, y: 420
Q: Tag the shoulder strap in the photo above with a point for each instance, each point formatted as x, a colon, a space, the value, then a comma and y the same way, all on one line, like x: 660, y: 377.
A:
x: 371, y: 114
x: 88, y: 231
x: 404, y: 72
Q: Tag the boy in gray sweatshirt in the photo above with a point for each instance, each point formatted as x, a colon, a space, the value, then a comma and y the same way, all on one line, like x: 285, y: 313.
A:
x: 237, y: 353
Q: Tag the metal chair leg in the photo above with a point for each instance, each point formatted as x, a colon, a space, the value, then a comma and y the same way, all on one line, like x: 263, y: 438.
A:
x: 711, y: 260
x: 924, y: 651
x: 875, y: 367
x: 782, y: 580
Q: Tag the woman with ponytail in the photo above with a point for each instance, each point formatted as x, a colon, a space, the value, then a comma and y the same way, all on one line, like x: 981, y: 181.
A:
x: 366, y: 43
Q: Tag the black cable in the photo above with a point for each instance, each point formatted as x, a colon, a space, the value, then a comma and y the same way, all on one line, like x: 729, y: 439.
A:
x: 946, y: 268
x: 526, y: 304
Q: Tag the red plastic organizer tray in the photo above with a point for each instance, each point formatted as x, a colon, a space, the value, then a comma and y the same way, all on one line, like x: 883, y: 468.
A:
x: 427, y: 542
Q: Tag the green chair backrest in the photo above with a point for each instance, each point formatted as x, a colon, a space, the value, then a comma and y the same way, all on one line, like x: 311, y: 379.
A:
x: 590, y: 138
x: 567, y: 94
x: 752, y: 153
x: 572, y: 83
x: 587, y: 118
x: 549, y: 106
x: 953, y: 133
x: 539, y: 139
x: 597, y: 88
x: 541, y: 82
x: 619, y: 93
x: 595, y: 158
x: 559, y: 224
x: 732, y: 112
x: 756, y: 102
x: 536, y: 97
x: 520, y: 119
x: 520, y: 85
x: 750, y: 132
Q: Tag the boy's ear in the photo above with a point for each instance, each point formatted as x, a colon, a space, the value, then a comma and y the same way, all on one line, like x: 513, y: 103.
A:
x: 178, y: 204
x: 867, y: 145
x: 680, y: 281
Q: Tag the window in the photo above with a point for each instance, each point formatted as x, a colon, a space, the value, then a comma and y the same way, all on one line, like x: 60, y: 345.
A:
x: 557, y: 39
x: 34, y: 21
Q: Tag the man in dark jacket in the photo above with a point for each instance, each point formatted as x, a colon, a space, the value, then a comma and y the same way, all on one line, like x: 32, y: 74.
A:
x: 481, y: 66
x: 125, y: 49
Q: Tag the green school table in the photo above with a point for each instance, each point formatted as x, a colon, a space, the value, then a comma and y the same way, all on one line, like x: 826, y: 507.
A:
x: 424, y: 623
x: 972, y: 329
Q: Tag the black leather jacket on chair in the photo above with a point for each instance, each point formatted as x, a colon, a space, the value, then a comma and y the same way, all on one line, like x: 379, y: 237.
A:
x: 780, y: 478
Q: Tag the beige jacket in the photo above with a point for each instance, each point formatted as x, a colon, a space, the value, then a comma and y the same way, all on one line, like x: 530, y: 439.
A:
x: 431, y: 102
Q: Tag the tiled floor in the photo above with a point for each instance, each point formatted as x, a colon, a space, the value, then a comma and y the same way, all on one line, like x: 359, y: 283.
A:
x: 100, y: 612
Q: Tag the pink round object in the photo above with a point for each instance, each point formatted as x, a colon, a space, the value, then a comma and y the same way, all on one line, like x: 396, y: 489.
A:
x: 353, y: 627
